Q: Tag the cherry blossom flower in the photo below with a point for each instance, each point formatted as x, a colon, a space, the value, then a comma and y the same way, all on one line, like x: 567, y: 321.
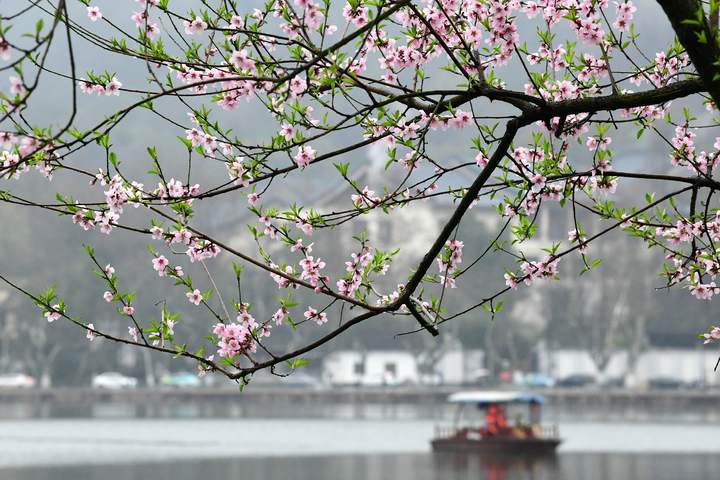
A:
x: 304, y: 156
x: 157, y: 232
x: 358, y: 16
x: 159, y: 263
x: 312, y: 314
x: 240, y: 60
x: 198, y: 25
x: 113, y: 87
x: 279, y: 316
x: 16, y: 86
x: 93, y: 13
x: 311, y: 270
x: 89, y: 334
x: 194, y: 297
x: 5, y: 50
x: 537, y: 182
x: 287, y: 131
x: 481, y: 160
x: 54, y: 314
x: 625, y: 13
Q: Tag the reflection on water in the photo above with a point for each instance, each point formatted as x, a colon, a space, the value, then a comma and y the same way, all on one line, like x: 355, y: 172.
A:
x: 397, y: 467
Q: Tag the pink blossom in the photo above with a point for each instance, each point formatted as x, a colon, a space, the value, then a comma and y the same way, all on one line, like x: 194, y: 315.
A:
x: 461, y: 119
x: 16, y: 86
x: 297, y: 85
x: 5, y: 49
x: 108, y: 296
x: 279, y: 316
x: 233, y: 338
x: 159, y: 264
x: 157, y: 233
x: 240, y: 60
x: 595, y: 143
x: 625, y: 13
x: 89, y: 334
x: 311, y: 270
x: 53, y: 314
x: 287, y: 131
x: 358, y: 16
x: 312, y: 314
x: 128, y: 310
x: 198, y: 25
x: 481, y: 160
x: 194, y: 297
x: 537, y: 182
x: 113, y: 87
x: 133, y: 332
x: 713, y: 335
x: 93, y: 13
x: 305, y: 155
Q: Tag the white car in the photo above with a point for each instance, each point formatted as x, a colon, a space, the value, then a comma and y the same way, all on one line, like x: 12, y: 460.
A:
x: 16, y: 380
x: 113, y: 380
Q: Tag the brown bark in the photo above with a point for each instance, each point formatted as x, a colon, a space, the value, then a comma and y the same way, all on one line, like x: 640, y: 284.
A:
x: 690, y: 30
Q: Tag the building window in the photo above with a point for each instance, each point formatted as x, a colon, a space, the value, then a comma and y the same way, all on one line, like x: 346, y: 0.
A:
x: 391, y: 369
x: 359, y: 368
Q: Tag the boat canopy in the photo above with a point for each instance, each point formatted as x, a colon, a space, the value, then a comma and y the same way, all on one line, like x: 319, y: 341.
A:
x: 490, y: 398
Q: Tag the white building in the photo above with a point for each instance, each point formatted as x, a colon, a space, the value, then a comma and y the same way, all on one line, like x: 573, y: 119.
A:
x: 397, y: 367
x: 686, y: 365
x: 388, y: 367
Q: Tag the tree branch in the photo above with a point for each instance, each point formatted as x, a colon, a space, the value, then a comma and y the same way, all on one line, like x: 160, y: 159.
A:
x: 694, y: 33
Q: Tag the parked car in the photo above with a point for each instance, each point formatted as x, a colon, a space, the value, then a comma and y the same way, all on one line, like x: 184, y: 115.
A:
x: 576, y: 381
x: 480, y: 376
x: 16, y: 380
x: 665, y: 383
x: 613, y: 382
x: 180, y: 380
x: 114, y: 381
x: 536, y: 380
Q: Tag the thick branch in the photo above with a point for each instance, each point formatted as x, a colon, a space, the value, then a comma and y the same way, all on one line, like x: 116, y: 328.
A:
x: 613, y: 102
x: 467, y: 200
x: 698, y: 39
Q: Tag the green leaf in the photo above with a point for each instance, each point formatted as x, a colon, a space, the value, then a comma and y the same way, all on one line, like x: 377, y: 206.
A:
x: 297, y: 363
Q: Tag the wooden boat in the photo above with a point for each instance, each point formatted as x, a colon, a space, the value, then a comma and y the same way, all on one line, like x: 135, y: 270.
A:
x: 496, y: 435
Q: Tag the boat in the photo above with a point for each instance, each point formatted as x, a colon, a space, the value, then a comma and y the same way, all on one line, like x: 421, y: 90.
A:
x: 495, y: 434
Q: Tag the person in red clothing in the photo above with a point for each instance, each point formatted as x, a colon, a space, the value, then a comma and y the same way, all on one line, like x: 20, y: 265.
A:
x: 495, y: 421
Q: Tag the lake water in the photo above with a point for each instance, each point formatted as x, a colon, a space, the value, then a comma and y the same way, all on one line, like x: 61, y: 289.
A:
x: 274, y: 449
x: 394, y: 467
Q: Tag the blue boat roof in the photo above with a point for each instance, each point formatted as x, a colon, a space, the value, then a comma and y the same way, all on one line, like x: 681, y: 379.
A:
x: 494, y: 397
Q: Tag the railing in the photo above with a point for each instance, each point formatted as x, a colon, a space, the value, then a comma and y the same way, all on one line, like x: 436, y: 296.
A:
x: 550, y: 431
x: 467, y: 431
x: 473, y: 432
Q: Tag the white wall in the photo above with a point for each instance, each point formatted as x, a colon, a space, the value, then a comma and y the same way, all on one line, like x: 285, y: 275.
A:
x: 688, y: 365
x: 339, y: 368
x: 563, y: 363
x: 451, y: 368
x: 377, y: 371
